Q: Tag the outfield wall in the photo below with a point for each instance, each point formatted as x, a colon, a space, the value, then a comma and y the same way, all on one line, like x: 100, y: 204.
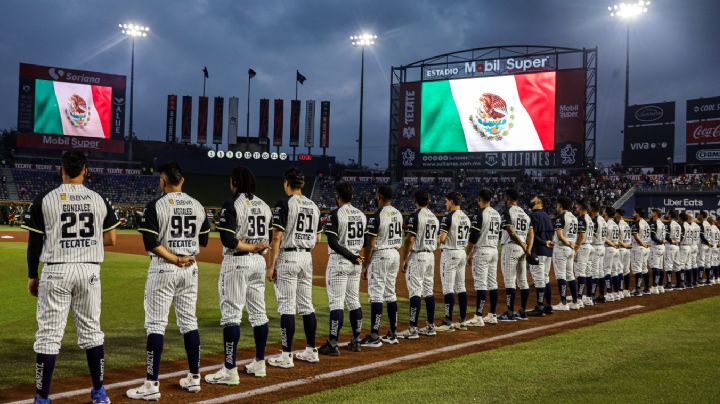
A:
x: 692, y: 202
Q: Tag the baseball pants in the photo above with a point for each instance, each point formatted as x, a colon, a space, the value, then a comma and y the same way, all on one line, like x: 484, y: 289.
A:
x: 168, y: 284
x: 343, y: 283
x: 563, y: 262
x: 420, y: 275
x: 625, y: 256
x: 382, y: 274
x: 452, y: 271
x: 541, y: 272
x: 610, y: 263
x: 583, y: 260
x: 513, y: 267
x: 484, y: 268
x: 598, y: 260
x: 62, y: 288
x: 293, y: 283
x: 638, y: 265
x: 242, y: 283
x: 705, y: 256
x: 671, y: 252
x: 682, y: 260
x: 657, y: 256
x: 694, y: 251
x: 715, y: 258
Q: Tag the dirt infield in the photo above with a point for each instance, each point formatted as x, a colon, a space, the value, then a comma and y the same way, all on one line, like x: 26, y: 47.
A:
x: 348, y: 361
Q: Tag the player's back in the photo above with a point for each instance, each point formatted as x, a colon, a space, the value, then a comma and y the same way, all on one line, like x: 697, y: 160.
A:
x: 424, y: 225
x: 642, y: 229
x: 73, y: 218
x: 613, y: 231
x: 299, y: 218
x: 348, y: 224
x: 386, y: 225
x: 248, y: 217
x: 625, y: 231
x: 569, y: 224
x: 586, y: 225
x: 675, y: 232
x: 516, y: 218
x: 177, y: 219
x: 457, y: 226
x: 600, y: 231
x: 486, y: 222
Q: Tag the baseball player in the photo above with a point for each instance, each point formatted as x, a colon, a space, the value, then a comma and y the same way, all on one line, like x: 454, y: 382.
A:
x: 611, y: 264
x: 673, y: 235
x: 517, y: 240
x: 419, y: 264
x: 454, y: 235
x: 244, y: 226
x: 682, y: 261
x: 598, y: 256
x: 68, y: 227
x: 704, y: 250
x: 296, y: 230
x: 625, y: 245
x: 641, y: 237
x: 584, y: 253
x: 345, y: 232
x: 715, y: 271
x: 383, y: 238
x: 482, y: 257
x: 173, y: 226
x: 542, y: 249
x: 657, y: 251
x: 692, y: 272
x: 566, y: 233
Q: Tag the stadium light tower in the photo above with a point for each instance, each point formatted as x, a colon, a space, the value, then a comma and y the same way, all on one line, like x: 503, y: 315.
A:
x: 362, y: 40
x: 628, y: 12
x: 133, y: 31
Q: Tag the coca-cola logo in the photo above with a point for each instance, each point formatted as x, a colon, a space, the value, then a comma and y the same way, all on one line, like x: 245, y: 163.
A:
x: 703, y: 132
x: 649, y: 113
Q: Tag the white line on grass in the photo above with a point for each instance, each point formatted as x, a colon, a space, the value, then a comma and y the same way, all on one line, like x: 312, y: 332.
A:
x: 337, y: 373
x: 415, y: 356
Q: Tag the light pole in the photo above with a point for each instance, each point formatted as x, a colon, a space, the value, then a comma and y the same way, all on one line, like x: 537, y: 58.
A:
x: 628, y: 12
x: 133, y: 31
x: 362, y: 41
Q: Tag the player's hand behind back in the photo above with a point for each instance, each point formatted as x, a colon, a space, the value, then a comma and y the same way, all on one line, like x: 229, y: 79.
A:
x: 33, y: 284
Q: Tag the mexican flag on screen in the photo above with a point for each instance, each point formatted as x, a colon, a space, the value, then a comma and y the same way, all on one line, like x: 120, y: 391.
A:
x: 72, y: 109
x: 504, y: 113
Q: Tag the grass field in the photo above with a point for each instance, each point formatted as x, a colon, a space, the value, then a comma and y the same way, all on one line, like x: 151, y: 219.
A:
x: 668, y: 355
x: 123, y: 282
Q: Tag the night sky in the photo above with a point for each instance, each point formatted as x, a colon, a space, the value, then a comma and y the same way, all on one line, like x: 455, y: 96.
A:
x: 675, y: 53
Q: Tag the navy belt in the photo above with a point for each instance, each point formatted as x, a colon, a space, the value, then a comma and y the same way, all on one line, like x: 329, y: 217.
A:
x: 296, y: 249
x: 67, y: 263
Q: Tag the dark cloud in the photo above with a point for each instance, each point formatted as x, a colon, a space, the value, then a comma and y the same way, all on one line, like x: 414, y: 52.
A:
x: 674, y: 51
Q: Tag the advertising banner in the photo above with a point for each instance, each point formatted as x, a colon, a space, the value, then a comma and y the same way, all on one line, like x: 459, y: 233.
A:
x: 202, y: 120
x: 703, y: 108
x: 278, y: 123
x: 218, y: 110
x: 294, y: 123
x: 264, y: 125
x: 233, y: 120
x: 707, y: 131
x: 309, y: 123
x: 649, y: 146
x: 186, y: 118
x: 646, y: 114
x: 70, y: 143
x: 170, y: 126
x: 325, y: 124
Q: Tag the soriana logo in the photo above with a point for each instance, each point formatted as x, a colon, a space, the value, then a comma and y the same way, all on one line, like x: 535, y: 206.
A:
x: 703, y: 131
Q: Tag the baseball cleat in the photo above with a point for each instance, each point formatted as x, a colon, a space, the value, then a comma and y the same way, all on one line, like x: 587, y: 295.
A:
x: 506, y: 317
x: 372, y: 341
x: 491, y: 318
x: 256, y: 368
x: 626, y: 293
x: 580, y: 304
x: 284, y: 360
x: 646, y: 292
x: 476, y: 321
x: 548, y: 310
x: 574, y: 306
x: 354, y: 346
x: 428, y: 330
x: 610, y: 297
x: 40, y: 400
x: 191, y: 383
x: 587, y: 301
x: 410, y: 333
x: 637, y: 293
x: 225, y: 376
x: 602, y: 299
x: 310, y: 354
x: 536, y: 312
x: 461, y: 326
x: 445, y: 327
x: 329, y: 349
x: 99, y: 396
x: 521, y: 315
x: 149, y: 391
x: 390, y: 338
x: 561, y: 307
x: 655, y: 290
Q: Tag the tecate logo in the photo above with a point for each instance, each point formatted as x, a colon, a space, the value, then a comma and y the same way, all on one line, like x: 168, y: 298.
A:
x: 702, y: 132
x: 708, y: 154
x: 649, y: 114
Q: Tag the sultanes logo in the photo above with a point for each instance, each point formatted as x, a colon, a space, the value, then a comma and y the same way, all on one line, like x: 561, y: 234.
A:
x: 408, y: 158
x: 567, y: 154
x: 492, y: 119
x: 77, y: 111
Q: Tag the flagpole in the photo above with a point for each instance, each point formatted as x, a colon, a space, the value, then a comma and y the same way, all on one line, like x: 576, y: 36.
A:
x: 204, y: 79
x: 247, y: 117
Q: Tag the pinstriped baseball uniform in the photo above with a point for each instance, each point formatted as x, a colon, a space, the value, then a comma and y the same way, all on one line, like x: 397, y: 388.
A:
x: 177, y: 220
x: 715, y: 260
x: 486, y: 232
x: 638, y: 262
x: 657, y: 250
x: 694, y: 250
x: 242, y: 274
x: 420, y: 275
x: 386, y: 226
x: 342, y: 276
x: 611, y: 263
x: 513, y: 255
x: 626, y: 237
x: 563, y: 254
x: 683, y: 257
x: 72, y: 219
x: 674, y: 233
x: 298, y: 218
x: 452, y: 259
x: 584, y: 255
x: 598, y: 243
x: 704, y: 251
